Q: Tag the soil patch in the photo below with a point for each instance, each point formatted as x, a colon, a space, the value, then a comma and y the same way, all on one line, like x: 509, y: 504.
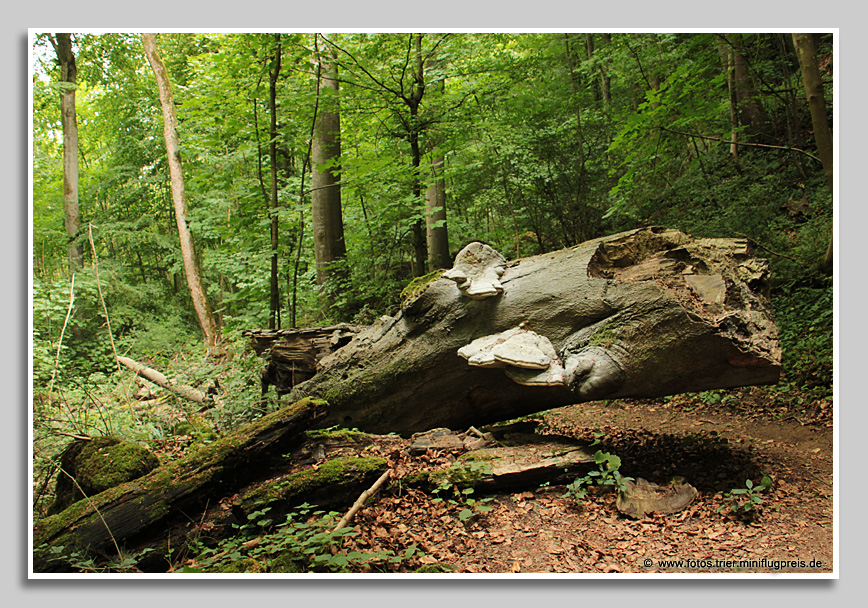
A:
x: 716, y: 449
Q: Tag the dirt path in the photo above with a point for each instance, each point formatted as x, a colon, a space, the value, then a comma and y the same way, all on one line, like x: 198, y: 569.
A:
x: 716, y: 449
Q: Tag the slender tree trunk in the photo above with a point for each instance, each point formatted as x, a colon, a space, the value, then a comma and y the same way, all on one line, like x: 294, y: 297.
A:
x: 596, y: 85
x: 435, y: 218
x: 807, y: 54
x: 580, y: 143
x: 328, y: 225
x: 170, y: 133
x: 274, y: 304
x: 68, y: 74
x: 435, y: 203
x: 420, y: 244
x: 605, y: 79
x: 726, y: 57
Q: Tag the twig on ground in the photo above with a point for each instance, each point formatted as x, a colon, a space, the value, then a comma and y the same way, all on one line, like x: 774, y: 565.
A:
x: 361, y: 501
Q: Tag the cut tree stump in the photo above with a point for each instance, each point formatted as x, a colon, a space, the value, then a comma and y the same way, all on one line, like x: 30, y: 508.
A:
x: 644, y: 313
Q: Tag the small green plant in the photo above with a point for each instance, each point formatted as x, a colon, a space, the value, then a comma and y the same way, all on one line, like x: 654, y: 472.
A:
x: 598, y: 437
x: 462, y: 498
x: 746, y: 500
x: 606, y: 475
x: 472, y: 505
x: 83, y: 562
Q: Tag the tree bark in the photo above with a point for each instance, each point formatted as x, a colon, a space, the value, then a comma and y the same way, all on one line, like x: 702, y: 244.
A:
x: 435, y: 218
x: 274, y: 74
x: 170, y: 134
x: 750, y: 111
x: 413, y: 101
x: 436, y: 233
x: 68, y: 73
x: 328, y: 225
x: 726, y: 57
x: 646, y: 313
x: 807, y: 54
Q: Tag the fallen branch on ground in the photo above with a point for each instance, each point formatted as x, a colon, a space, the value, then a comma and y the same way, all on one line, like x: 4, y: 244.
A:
x: 361, y: 501
x: 182, y: 390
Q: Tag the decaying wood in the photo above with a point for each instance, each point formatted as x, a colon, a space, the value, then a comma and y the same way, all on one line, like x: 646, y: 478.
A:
x: 294, y: 354
x: 147, y: 505
x: 182, y: 390
x: 644, y: 313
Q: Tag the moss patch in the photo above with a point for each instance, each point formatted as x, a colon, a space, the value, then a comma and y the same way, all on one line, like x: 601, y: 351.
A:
x: 463, y: 474
x: 415, y: 287
x: 332, y: 475
x: 335, y: 435
x: 604, y: 337
x: 98, y: 465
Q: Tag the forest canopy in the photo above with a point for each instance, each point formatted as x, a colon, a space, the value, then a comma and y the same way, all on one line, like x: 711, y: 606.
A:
x: 322, y: 173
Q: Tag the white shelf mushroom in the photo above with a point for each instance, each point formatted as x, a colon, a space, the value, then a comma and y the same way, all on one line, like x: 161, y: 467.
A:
x: 529, y: 358
x: 477, y: 271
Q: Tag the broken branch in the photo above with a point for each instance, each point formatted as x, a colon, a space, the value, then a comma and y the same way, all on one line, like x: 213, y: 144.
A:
x: 182, y: 390
x: 361, y: 501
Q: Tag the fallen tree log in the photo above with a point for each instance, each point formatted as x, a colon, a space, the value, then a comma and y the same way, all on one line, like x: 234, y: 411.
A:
x: 123, y: 515
x: 645, y: 313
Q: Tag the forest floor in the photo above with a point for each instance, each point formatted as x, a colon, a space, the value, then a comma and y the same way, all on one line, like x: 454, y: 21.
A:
x: 715, y: 448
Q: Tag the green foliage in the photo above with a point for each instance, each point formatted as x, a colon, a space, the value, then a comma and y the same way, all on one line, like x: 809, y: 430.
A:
x: 305, y: 542
x: 805, y: 321
x: 607, y: 475
x: 746, y: 500
x: 82, y: 561
x: 462, y: 499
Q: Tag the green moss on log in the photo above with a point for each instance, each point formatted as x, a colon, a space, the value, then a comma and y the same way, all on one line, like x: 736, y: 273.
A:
x: 418, y: 285
x: 96, y: 466
x: 183, y: 483
x: 336, y: 435
x: 333, y: 475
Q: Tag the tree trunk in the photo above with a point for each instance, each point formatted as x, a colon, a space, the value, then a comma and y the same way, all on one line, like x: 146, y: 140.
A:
x: 435, y: 196
x: 645, y: 313
x: 435, y: 218
x: 605, y: 79
x: 274, y: 300
x: 816, y: 101
x: 68, y: 74
x: 750, y: 112
x: 726, y: 58
x: 413, y: 101
x: 179, y: 199
x: 328, y: 226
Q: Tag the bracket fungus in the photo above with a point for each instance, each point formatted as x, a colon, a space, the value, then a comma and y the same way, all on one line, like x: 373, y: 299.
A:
x: 529, y: 358
x: 477, y: 271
